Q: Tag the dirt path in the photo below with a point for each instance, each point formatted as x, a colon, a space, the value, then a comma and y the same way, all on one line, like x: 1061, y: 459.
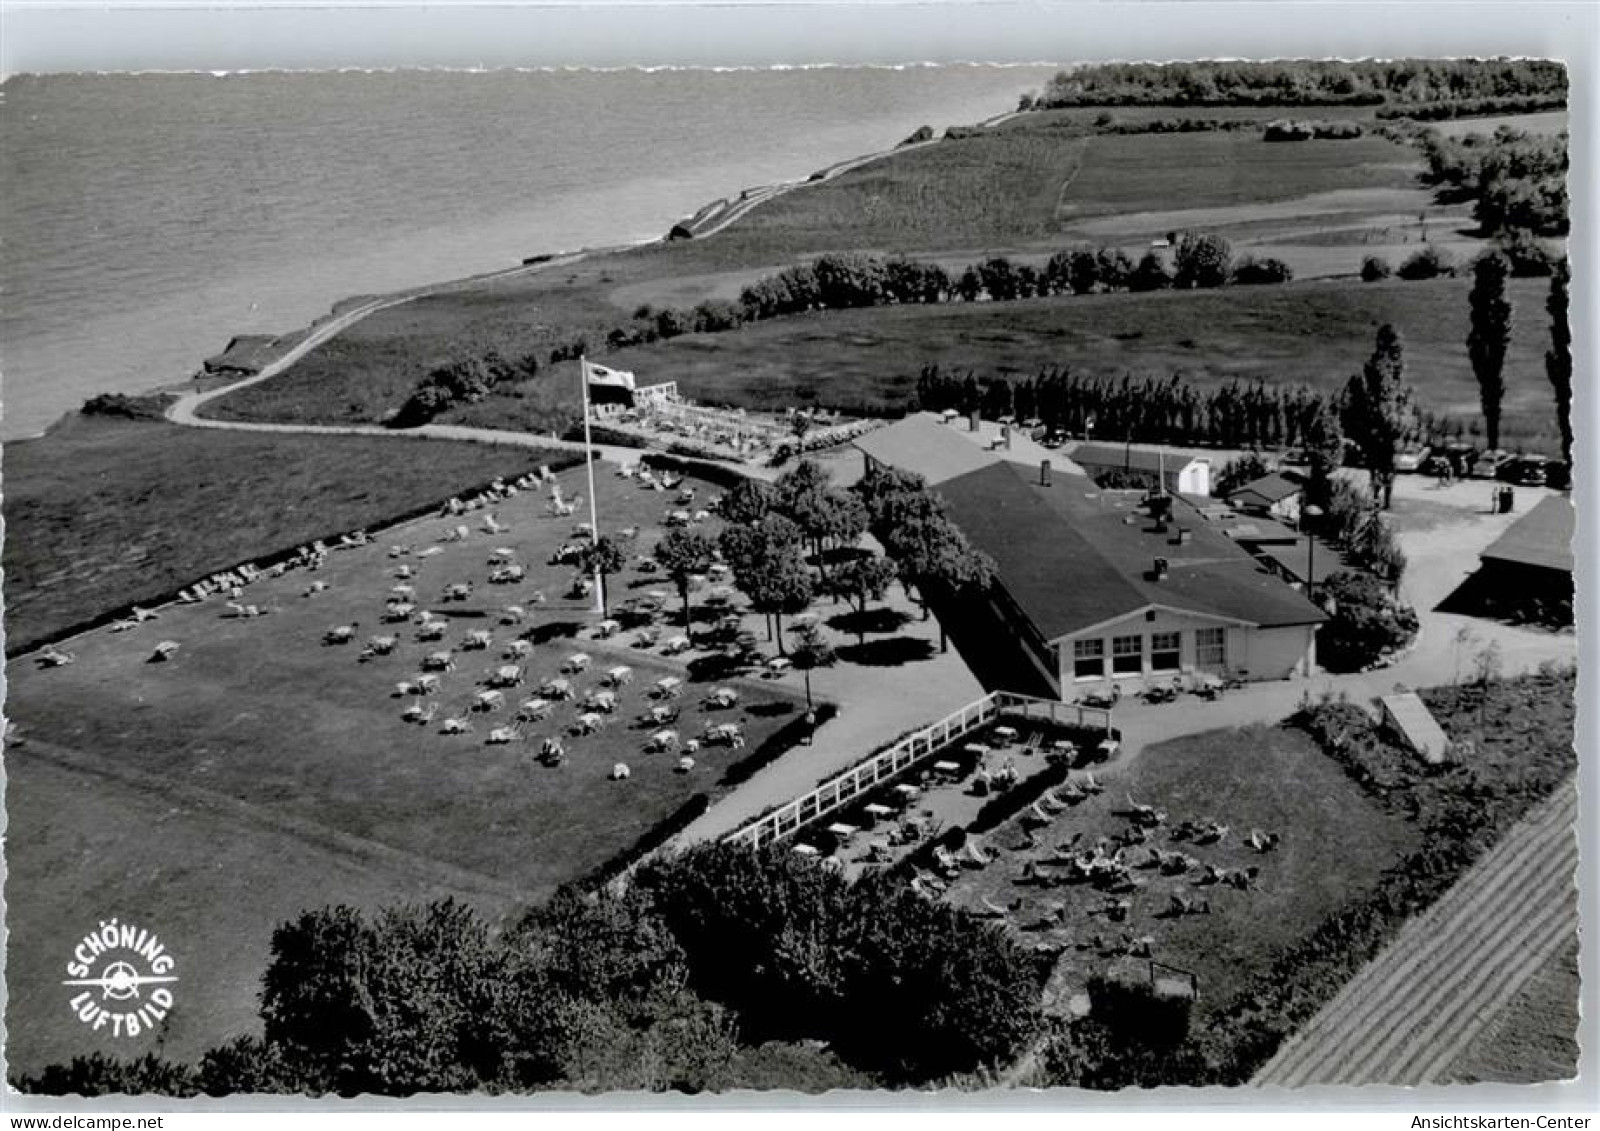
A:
x: 1407, y: 1016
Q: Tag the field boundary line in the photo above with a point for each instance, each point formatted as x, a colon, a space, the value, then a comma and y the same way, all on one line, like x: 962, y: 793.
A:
x: 459, y: 880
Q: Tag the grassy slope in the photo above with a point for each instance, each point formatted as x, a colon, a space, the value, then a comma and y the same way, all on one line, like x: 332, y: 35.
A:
x: 1316, y: 333
x: 101, y: 513
x: 1019, y: 189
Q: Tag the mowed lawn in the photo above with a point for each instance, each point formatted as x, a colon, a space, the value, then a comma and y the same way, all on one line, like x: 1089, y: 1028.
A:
x: 1334, y: 847
x: 297, y: 755
x: 100, y: 513
x: 1314, y: 333
x: 210, y: 880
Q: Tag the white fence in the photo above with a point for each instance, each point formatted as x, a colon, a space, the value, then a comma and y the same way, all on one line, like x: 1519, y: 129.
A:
x: 841, y: 789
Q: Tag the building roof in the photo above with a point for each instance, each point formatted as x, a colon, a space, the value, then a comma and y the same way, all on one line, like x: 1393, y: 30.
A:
x: 1542, y: 537
x: 1257, y: 531
x: 1296, y: 560
x: 920, y: 444
x: 1269, y: 489
x: 1134, y: 458
x: 1072, y: 557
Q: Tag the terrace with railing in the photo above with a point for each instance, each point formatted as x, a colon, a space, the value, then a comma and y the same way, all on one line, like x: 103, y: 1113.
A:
x: 880, y: 769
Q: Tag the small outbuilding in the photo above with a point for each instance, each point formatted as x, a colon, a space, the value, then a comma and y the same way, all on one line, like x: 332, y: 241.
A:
x: 1271, y: 496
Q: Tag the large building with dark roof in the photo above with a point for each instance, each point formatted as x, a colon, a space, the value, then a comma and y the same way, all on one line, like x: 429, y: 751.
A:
x: 1101, y: 593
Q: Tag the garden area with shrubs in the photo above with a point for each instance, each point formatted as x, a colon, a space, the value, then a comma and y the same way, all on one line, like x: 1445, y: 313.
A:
x: 1514, y: 739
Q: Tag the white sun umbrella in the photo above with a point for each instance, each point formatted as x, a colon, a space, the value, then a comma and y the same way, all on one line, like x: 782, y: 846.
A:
x: 578, y: 661
x: 619, y: 675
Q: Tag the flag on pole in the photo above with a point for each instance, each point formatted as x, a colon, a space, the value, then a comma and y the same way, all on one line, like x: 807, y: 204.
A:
x: 608, y: 378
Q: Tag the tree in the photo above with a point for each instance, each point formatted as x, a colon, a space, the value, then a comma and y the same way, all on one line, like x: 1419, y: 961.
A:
x: 1203, y: 260
x: 861, y: 580
x: 747, y: 502
x: 883, y: 489
x: 824, y: 513
x: 602, y: 558
x: 683, y: 554
x: 811, y: 651
x: 1558, y: 358
x: 1375, y: 268
x: 1323, y: 441
x: 1378, y: 408
x: 1489, y: 336
x: 391, y: 1006
x: 780, y: 583
x: 1239, y: 471
x: 1150, y: 275
x: 1427, y: 263
x: 1250, y: 271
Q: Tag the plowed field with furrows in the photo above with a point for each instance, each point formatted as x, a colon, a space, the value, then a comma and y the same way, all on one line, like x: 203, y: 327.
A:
x: 1409, y: 1014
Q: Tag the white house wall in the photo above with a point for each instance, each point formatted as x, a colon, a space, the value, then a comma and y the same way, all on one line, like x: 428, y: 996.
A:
x: 1251, y: 653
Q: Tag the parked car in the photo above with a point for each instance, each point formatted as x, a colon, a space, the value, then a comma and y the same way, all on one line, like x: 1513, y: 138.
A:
x: 1489, y: 463
x: 1438, y: 466
x: 1412, y: 458
x: 1525, y: 471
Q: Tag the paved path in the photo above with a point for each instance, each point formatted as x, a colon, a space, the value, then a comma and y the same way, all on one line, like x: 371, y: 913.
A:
x: 880, y: 703
x: 1408, y: 1014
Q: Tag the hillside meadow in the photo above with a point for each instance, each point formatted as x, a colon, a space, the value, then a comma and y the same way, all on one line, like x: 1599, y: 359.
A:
x: 1316, y: 333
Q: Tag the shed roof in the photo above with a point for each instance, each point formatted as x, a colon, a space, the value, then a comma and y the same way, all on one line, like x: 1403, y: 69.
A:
x: 921, y: 444
x: 1073, y: 557
x: 1542, y: 537
x: 1268, y: 489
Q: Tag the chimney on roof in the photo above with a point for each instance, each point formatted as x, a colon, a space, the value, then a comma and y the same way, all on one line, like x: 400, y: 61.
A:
x: 972, y: 421
x: 1159, y: 573
x: 1005, y: 435
x: 1044, y: 473
x: 1182, y: 536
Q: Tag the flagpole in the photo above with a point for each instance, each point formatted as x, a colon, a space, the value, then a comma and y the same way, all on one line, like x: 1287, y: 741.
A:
x: 594, y: 516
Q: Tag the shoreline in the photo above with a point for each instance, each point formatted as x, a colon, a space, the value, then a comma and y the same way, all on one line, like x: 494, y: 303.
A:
x: 709, y: 219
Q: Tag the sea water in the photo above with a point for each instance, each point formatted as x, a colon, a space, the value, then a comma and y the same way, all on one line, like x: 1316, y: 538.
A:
x: 146, y: 219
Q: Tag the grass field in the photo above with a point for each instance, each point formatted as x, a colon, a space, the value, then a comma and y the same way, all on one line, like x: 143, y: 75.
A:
x: 101, y: 513
x: 1260, y: 777
x: 283, y: 750
x: 1311, y: 333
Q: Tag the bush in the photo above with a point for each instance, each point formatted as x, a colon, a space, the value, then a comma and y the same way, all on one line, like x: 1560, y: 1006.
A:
x: 1367, y: 622
x: 1250, y: 271
x: 1374, y: 268
x: 1204, y: 260
x: 1427, y: 263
